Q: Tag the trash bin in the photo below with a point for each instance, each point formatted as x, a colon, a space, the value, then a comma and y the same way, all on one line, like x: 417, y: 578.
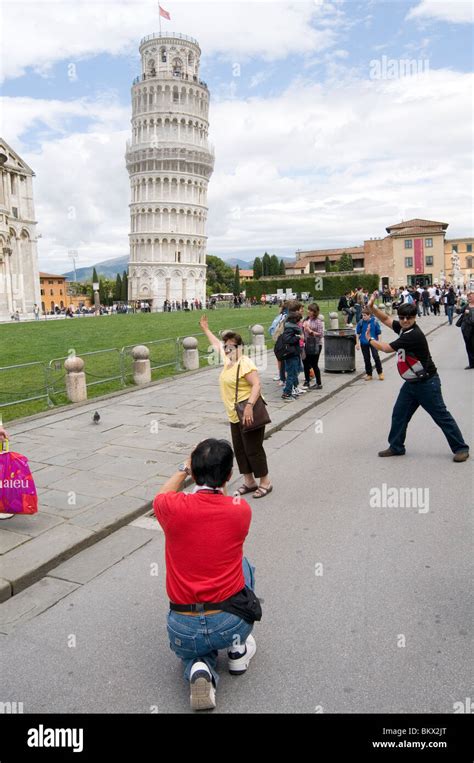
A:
x: 339, y: 350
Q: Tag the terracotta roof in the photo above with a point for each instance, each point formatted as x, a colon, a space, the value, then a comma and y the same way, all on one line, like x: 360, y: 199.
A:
x: 246, y: 273
x: 51, y: 275
x: 416, y: 232
x: 320, y: 256
x: 327, y: 252
x: 417, y: 222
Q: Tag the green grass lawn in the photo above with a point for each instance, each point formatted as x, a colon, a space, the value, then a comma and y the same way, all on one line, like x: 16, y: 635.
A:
x: 46, y: 341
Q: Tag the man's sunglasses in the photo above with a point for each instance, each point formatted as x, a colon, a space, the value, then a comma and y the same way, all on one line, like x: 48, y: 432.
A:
x: 406, y: 318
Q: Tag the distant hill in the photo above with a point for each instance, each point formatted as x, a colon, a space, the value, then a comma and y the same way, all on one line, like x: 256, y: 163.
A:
x: 248, y: 265
x: 243, y: 265
x: 108, y: 268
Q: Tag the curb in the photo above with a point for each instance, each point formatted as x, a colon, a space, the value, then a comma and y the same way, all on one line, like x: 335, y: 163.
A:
x: 9, y: 588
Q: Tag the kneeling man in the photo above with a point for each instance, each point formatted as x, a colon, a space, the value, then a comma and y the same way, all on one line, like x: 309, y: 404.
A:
x: 208, y: 580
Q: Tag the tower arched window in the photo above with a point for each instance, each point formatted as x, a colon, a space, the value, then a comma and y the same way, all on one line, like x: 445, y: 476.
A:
x: 177, y: 67
x: 164, y: 56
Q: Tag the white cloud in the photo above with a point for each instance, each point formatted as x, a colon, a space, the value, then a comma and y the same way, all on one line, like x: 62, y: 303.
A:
x: 81, y: 186
x: 318, y: 165
x: 443, y: 10
x: 69, y: 30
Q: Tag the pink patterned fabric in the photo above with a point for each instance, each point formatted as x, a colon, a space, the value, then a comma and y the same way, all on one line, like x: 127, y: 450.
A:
x: 17, y: 488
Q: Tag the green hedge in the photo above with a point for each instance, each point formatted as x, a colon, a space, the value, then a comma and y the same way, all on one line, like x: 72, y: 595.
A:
x: 333, y: 286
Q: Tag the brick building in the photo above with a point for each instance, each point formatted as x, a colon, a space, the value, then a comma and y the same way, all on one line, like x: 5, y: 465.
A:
x: 414, y: 251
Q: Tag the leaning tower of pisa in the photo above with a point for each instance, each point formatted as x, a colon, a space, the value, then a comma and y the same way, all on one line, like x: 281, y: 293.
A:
x: 169, y: 161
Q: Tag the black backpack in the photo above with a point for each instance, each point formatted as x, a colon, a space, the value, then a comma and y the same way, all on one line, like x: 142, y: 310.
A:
x: 283, y: 350
x: 279, y: 348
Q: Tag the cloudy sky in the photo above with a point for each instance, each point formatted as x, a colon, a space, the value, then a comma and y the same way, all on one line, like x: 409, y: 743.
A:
x: 323, y: 134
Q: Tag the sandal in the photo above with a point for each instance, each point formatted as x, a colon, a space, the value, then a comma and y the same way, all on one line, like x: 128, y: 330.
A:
x: 261, y: 492
x: 243, y: 489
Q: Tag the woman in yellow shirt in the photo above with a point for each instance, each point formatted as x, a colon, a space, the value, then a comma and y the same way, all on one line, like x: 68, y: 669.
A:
x: 248, y: 446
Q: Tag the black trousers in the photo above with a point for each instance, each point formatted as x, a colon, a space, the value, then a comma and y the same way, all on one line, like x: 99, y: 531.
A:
x: 366, y: 350
x: 469, y: 342
x: 311, y: 361
x: 248, y: 449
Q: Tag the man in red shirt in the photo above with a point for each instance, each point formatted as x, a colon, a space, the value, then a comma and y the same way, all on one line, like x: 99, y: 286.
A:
x: 208, y: 580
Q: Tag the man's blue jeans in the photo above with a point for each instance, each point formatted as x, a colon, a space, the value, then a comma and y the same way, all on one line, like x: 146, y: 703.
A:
x: 450, y: 313
x: 292, y: 367
x: 428, y: 395
x: 199, y: 637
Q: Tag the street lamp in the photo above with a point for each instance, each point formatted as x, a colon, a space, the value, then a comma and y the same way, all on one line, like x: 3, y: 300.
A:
x: 73, y: 255
x: 95, y: 287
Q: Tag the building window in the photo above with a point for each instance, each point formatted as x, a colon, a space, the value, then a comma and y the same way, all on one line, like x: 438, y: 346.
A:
x: 50, y: 282
x: 455, y: 248
x: 429, y: 243
x: 163, y: 55
x: 51, y: 293
x: 61, y: 293
x: 409, y: 262
x: 408, y: 243
x: 15, y: 212
x: 429, y: 260
x: 469, y: 262
x: 42, y: 292
x: 468, y: 247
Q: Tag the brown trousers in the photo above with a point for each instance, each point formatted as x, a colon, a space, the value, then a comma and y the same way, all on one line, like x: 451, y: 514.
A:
x: 248, y: 449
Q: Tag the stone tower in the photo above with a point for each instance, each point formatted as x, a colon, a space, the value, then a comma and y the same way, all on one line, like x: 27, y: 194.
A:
x: 169, y: 161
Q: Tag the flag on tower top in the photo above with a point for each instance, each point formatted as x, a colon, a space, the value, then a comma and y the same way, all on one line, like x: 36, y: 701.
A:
x: 164, y: 13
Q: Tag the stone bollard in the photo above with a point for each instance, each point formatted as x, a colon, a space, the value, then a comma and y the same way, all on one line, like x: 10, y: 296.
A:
x: 190, y: 353
x: 333, y: 321
x: 76, y: 388
x: 141, y: 364
x: 258, y: 335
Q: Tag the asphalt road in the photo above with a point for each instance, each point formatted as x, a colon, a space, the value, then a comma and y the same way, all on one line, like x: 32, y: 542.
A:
x: 366, y: 610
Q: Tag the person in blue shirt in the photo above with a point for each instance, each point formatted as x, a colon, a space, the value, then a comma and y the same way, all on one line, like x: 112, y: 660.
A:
x: 362, y: 343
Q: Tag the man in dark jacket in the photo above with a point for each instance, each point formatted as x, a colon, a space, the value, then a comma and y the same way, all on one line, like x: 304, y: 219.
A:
x: 425, y: 296
x: 291, y: 337
x: 450, y: 304
x: 345, y: 306
x: 466, y: 323
x: 422, y: 384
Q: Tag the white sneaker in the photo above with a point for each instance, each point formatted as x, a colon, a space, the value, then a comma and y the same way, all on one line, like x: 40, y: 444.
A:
x: 237, y: 662
x: 203, y: 693
x: 6, y: 516
x: 276, y: 378
x: 298, y: 391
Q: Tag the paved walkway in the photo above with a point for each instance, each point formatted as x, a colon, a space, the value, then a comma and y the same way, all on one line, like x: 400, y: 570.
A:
x: 93, y: 479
